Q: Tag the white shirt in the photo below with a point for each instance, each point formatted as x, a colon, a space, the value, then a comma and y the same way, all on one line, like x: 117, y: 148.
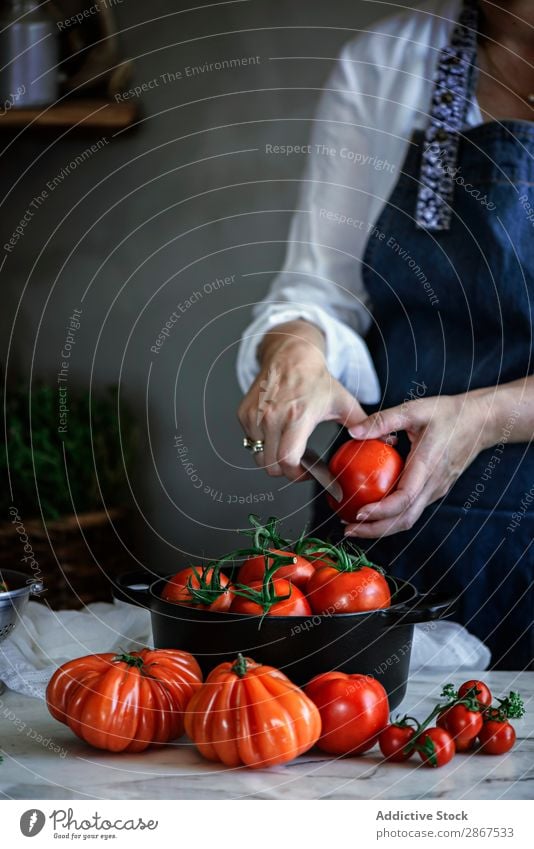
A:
x: 378, y: 93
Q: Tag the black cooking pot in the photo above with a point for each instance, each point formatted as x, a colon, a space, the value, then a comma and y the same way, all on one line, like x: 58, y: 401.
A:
x: 376, y: 643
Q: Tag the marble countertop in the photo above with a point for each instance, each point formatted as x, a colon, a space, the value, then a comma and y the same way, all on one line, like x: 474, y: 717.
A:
x: 43, y: 760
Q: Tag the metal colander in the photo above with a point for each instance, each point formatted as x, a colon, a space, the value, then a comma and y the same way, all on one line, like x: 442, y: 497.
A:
x: 12, y: 603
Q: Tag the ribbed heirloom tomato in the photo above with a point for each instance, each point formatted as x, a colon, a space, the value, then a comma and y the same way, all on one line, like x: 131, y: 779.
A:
x: 252, y: 715
x: 354, y: 710
x: 125, y: 702
x: 204, y: 587
x: 366, y: 470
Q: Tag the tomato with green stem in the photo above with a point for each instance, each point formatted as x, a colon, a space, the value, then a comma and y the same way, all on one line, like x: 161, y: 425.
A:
x: 251, y: 715
x: 462, y: 724
x: 395, y: 737
x: 367, y: 470
x: 268, y: 544
x: 435, y: 747
x: 203, y: 587
x: 480, y: 690
x: 350, y: 584
x: 270, y: 597
x: 124, y: 702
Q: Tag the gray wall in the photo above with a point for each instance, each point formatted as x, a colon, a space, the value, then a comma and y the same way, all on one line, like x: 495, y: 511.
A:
x: 152, y: 217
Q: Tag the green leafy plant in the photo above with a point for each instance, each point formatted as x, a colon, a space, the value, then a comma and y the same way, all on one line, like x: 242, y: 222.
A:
x: 78, y: 470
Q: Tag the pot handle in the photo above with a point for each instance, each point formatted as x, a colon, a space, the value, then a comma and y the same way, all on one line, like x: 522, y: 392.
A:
x: 133, y: 588
x: 425, y: 608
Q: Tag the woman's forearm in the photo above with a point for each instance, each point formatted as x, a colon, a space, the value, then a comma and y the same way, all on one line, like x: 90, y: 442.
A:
x: 294, y: 339
x: 510, y: 411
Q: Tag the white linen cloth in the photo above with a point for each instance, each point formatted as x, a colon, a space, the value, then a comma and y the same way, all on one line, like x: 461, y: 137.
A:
x: 44, y: 639
x: 378, y: 93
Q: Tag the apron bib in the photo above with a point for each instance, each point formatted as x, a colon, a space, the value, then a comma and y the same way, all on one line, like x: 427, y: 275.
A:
x: 449, y: 268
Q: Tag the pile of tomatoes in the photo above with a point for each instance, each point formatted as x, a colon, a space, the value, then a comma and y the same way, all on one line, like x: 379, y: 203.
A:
x: 248, y: 714
x: 278, y: 578
x: 467, y: 721
x: 244, y: 714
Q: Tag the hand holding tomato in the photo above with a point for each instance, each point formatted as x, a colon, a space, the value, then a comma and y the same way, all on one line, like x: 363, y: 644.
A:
x: 366, y: 471
x: 437, y: 457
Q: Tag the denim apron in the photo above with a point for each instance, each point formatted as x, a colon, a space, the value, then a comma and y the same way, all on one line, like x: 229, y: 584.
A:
x: 449, y: 268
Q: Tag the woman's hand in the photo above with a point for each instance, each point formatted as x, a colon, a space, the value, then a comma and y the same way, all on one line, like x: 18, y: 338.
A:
x: 293, y: 392
x: 446, y: 433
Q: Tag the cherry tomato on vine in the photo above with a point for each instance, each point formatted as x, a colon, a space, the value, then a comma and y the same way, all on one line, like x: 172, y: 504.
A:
x: 496, y: 737
x: 483, y: 694
x: 366, y: 470
x: 462, y: 724
x: 436, y: 747
x: 393, y: 739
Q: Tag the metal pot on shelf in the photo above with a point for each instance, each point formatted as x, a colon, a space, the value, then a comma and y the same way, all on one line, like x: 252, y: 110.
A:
x: 29, y: 53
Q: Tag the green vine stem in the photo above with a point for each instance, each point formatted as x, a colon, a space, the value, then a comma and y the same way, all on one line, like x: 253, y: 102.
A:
x: 130, y: 659
x: 239, y: 667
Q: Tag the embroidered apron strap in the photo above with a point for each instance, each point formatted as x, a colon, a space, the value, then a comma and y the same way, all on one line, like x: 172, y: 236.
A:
x: 450, y: 103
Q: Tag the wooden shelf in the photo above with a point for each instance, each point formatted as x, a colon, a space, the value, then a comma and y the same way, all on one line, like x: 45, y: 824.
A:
x: 88, y: 114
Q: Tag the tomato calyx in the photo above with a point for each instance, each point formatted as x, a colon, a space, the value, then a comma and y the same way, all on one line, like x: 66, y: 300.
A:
x: 511, y: 707
x: 342, y: 559
x: 239, y: 666
x: 407, y: 722
x: 209, y: 587
x: 131, y: 659
x: 265, y: 596
x: 428, y: 749
x: 468, y: 699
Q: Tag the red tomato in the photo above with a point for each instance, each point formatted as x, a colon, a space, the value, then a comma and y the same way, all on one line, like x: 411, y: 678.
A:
x: 125, y: 702
x: 366, y: 470
x: 496, y: 737
x: 436, y: 747
x: 330, y: 590
x: 251, y: 715
x: 483, y: 694
x: 354, y: 710
x: 299, y: 572
x: 216, y: 596
x: 392, y: 741
x: 295, y: 605
x: 462, y: 724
